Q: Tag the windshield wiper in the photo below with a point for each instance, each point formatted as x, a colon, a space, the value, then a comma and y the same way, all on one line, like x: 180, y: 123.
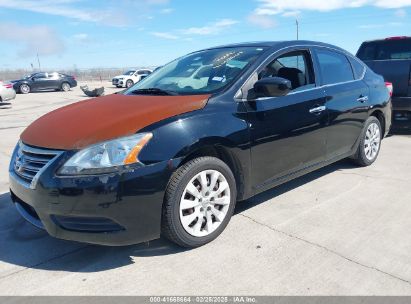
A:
x: 153, y: 91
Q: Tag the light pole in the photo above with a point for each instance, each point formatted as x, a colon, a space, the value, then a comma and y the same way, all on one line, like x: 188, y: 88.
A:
x: 297, y: 25
x: 38, y: 60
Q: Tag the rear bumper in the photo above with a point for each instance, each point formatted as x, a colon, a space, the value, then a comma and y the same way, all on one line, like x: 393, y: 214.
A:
x: 117, y: 209
x: 401, y: 103
x: 401, y: 115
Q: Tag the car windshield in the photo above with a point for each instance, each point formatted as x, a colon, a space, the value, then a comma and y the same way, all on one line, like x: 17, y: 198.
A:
x: 202, y: 72
x: 129, y: 73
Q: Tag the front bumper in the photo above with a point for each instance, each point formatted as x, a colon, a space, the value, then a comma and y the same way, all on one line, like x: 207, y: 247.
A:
x: 112, y: 209
x: 117, y: 82
x: 8, y: 94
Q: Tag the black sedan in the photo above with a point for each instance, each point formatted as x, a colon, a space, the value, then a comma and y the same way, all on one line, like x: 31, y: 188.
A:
x: 174, y: 153
x: 44, y: 82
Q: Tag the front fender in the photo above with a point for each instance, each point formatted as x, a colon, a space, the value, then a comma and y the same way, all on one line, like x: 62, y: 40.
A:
x: 179, y: 137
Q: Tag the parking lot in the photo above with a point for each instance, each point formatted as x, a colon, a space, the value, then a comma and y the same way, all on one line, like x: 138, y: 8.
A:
x: 342, y: 230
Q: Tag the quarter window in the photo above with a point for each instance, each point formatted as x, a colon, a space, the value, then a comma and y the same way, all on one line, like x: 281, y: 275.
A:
x: 335, y: 67
x: 358, y: 68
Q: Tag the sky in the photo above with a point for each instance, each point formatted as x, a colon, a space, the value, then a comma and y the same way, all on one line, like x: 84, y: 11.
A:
x: 136, y: 33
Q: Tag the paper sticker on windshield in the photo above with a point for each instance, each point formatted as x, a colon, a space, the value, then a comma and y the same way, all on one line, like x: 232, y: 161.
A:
x: 219, y: 79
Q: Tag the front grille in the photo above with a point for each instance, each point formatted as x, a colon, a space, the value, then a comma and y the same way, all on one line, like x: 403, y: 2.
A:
x: 29, y: 162
x: 115, y: 80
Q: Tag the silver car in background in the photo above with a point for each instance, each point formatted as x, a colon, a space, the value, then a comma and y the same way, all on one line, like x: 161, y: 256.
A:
x: 6, y: 92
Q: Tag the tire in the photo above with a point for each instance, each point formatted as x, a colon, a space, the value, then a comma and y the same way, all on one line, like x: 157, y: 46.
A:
x: 129, y: 83
x: 370, y: 143
x: 65, y: 87
x: 24, y: 88
x: 176, y: 220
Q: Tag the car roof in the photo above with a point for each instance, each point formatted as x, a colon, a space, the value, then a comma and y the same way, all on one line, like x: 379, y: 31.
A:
x: 395, y: 38
x: 273, y: 45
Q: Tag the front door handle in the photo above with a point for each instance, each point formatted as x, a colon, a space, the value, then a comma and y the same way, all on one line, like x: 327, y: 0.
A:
x: 362, y: 99
x: 318, y: 110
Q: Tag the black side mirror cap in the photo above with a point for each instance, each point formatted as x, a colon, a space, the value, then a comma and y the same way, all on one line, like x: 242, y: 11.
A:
x: 272, y: 87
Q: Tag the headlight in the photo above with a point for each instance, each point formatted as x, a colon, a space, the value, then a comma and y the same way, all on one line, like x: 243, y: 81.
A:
x: 120, y: 78
x: 107, y: 156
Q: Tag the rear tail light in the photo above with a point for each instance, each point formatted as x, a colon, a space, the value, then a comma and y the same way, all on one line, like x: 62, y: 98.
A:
x: 389, y: 87
x: 8, y: 85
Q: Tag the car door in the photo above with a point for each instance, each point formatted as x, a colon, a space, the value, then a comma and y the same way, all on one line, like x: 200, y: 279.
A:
x: 347, y: 100
x: 38, y: 81
x: 54, y: 81
x: 288, y: 132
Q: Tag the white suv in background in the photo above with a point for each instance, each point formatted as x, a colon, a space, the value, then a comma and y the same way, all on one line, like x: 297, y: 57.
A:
x: 130, y: 77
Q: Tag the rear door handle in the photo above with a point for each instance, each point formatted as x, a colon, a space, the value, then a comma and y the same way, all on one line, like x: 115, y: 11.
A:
x: 318, y: 110
x: 362, y: 99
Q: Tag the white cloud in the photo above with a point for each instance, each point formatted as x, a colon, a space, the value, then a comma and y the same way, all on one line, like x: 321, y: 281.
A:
x: 165, y: 35
x: 81, y: 38
x: 211, y: 28
x: 167, y: 10
x: 51, y: 7
x: 33, y: 39
x: 401, y: 13
x: 261, y: 21
x: 114, y: 13
x: 292, y: 14
x: 275, y: 7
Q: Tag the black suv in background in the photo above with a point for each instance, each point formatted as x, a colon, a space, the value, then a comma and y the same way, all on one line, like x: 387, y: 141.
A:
x: 44, y: 82
x: 391, y: 58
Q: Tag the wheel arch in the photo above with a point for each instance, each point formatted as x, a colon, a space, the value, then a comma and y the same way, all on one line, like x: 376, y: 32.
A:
x: 381, y: 118
x: 223, y: 153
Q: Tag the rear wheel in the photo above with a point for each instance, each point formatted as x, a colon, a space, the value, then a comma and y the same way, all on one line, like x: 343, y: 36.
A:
x: 199, y: 202
x: 24, y: 88
x: 65, y: 86
x: 370, y: 143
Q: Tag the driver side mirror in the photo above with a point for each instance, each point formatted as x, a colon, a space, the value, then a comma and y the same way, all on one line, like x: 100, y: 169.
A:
x: 272, y: 87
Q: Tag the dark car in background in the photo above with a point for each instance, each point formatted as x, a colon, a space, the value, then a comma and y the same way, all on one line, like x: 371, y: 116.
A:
x: 42, y: 81
x: 173, y: 154
x: 391, y: 58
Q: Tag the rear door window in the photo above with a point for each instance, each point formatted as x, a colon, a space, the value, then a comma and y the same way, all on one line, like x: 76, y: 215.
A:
x: 334, y: 67
x: 385, y: 50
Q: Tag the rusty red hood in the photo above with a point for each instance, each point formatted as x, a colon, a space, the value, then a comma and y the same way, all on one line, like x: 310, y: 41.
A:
x: 91, y: 121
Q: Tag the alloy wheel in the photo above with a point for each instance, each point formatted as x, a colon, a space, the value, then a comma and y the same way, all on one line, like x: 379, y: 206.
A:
x: 205, y: 203
x: 372, y: 141
x: 65, y: 87
x: 129, y: 83
x: 24, y: 88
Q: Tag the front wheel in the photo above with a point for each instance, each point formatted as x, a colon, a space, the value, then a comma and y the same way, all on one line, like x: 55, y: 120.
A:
x: 129, y: 83
x: 199, y: 202
x: 370, y: 143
